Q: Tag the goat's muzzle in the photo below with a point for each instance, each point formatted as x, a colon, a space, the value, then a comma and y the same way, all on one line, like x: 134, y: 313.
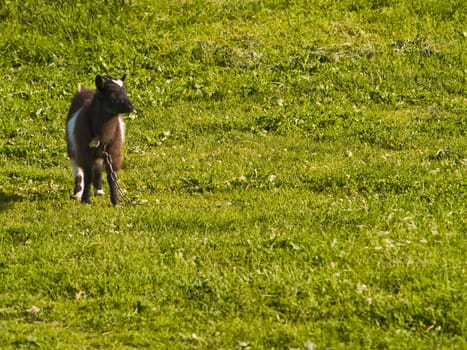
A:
x: 130, y: 107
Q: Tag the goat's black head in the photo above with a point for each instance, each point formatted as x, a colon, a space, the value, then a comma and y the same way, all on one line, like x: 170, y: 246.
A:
x: 113, y: 95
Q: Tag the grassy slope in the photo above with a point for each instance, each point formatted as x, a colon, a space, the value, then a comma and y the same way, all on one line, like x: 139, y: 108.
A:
x: 299, y: 172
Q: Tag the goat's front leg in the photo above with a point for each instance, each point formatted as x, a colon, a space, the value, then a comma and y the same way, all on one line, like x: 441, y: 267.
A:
x: 97, y: 178
x: 111, y: 179
x: 86, y: 196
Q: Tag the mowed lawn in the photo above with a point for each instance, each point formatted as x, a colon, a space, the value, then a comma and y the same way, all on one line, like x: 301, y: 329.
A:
x: 295, y: 174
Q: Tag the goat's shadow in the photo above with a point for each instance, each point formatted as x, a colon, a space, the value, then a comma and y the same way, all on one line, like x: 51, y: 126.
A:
x: 7, y: 199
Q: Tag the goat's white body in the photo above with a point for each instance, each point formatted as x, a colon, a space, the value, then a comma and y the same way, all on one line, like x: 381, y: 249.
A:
x: 122, y: 128
x: 70, y: 130
x: 70, y: 134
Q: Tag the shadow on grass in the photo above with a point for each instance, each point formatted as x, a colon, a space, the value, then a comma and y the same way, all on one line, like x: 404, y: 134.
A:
x: 7, y: 199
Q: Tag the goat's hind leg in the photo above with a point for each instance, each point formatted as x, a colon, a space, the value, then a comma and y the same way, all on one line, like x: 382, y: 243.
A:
x: 79, y: 180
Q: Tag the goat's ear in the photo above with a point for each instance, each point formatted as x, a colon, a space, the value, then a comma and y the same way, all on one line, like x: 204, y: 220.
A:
x: 123, y: 78
x: 99, y: 82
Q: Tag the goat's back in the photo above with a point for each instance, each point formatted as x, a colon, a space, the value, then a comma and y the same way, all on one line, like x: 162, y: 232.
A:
x: 82, y: 97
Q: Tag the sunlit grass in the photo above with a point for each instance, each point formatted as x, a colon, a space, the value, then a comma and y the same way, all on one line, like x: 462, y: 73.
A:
x: 298, y: 174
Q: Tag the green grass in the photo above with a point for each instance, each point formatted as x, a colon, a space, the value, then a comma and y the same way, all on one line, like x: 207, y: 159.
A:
x: 298, y: 169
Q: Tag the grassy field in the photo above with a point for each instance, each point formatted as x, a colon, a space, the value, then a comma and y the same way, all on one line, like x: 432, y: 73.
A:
x: 298, y: 170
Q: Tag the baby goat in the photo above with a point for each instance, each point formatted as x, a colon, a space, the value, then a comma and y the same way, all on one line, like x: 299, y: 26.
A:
x: 94, y: 129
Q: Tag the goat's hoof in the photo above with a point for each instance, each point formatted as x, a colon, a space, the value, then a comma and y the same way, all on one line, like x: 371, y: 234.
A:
x: 77, y: 195
x: 99, y: 192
